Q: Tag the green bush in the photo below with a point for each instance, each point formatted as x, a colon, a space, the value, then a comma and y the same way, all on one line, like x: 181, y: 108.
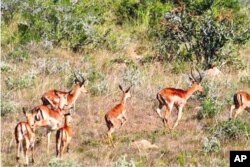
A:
x: 20, y: 54
x: 232, y: 129
x: 211, y: 144
x: 209, y: 109
x: 6, y: 107
x: 21, y: 82
x: 123, y: 162
x: 195, y: 31
x: 65, y: 163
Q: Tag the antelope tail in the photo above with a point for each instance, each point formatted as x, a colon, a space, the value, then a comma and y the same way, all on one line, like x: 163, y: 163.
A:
x: 160, y: 99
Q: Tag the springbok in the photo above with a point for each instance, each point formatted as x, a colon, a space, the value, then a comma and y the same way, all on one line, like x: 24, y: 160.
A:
x: 117, y: 113
x: 63, y: 136
x: 170, y: 97
x: 24, y: 133
x: 55, y: 97
x: 49, y: 118
x: 241, y: 102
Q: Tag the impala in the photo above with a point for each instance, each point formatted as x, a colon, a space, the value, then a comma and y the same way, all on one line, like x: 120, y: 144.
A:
x: 117, y: 113
x: 63, y: 136
x: 24, y: 133
x: 170, y: 97
x: 49, y: 118
x: 53, y: 97
x: 241, y: 102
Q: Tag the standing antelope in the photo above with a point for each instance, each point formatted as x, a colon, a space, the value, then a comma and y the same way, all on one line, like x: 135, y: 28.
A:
x: 241, y: 102
x: 24, y: 133
x: 117, y: 113
x: 54, y: 97
x: 170, y: 97
x: 63, y: 136
x: 48, y: 118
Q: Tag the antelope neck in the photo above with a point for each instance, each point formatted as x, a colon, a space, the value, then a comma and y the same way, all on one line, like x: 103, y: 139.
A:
x: 73, y: 95
x: 123, y: 100
x: 190, y: 91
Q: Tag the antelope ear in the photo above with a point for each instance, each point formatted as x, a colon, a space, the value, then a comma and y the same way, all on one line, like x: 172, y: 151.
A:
x: 120, y: 87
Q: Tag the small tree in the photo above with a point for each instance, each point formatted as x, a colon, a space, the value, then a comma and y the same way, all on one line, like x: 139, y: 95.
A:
x: 200, y: 30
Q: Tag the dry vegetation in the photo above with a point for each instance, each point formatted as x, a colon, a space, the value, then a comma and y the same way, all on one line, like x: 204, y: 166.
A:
x: 126, y: 42
x: 183, y: 146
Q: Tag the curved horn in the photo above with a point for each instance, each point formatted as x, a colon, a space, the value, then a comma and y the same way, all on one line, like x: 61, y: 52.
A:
x: 193, y: 75
x: 200, y: 77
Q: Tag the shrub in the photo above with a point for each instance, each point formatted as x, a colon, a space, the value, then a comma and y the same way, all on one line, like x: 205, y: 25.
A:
x: 6, y: 107
x: 232, y: 129
x: 211, y: 144
x: 20, y: 54
x: 97, y: 83
x: 123, y: 162
x: 194, y: 30
x: 5, y: 67
x: 66, y: 163
x: 24, y: 81
x: 132, y: 75
x: 209, y: 109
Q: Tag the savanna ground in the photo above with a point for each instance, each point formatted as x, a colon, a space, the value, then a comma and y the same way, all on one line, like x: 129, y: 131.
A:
x: 127, y: 55
x: 183, y: 146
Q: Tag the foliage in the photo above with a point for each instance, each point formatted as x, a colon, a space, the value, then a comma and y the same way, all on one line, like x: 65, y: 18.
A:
x: 232, y: 129
x: 200, y: 30
x: 24, y: 81
x: 67, y: 163
x: 211, y: 144
x: 209, y: 109
x: 19, y: 54
x: 123, y: 162
x: 62, y: 22
x: 6, y: 107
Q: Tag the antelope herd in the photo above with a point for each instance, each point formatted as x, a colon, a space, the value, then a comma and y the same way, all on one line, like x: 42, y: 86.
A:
x: 55, y: 113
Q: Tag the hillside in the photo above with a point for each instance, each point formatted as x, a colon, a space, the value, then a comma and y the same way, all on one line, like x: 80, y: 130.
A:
x: 123, y: 48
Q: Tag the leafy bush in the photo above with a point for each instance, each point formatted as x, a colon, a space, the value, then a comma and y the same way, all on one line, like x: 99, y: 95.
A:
x: 97, y: 83
x: 5, y: 67
x: 21, y: 82
x: 62, y: 22
x: 209, y: 109
x: 211, y: 144
x: 146, y: 12
x: 67, y: 163
x: 20, y: 54
x: 132, y: 75
x: 194, y: 29
x: 232, y: 129
x: 123, y: 162
x: 6, y: 107
x: 57, y: 66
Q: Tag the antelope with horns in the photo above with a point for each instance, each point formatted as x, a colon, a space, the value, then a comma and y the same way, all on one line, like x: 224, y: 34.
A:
x: 117, y: 113
x: 24, y: 134
x: 241, y: 102
x: 54, y: 97
x: 170, y: 97
x: 63, y: 136
x: 49, y: 118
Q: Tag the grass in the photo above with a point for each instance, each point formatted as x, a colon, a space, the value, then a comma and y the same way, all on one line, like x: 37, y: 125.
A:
x: 105, y: 70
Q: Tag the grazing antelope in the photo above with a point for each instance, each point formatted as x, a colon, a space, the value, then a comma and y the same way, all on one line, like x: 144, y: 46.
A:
x: 55, y: 98
x: 63, y: 136
x: 117, y: 113
x: 170, y: 97
x: 48, y: 118
x: 241, y: 102
x: 24, y: 134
